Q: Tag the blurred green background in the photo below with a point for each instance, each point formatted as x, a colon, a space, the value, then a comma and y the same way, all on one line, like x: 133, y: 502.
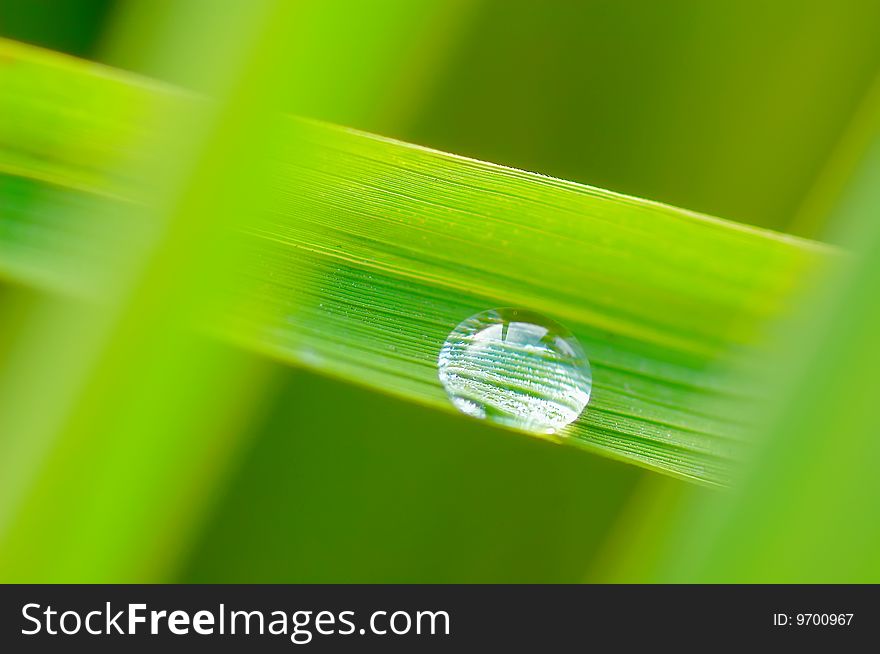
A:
x: 736, y: 109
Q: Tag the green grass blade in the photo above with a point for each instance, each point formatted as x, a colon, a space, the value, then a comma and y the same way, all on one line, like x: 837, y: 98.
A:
x: 129, y: 426
x: 825, y: 210
x: 372, y: 250
x: 806, y: 511
x: 117, y: 421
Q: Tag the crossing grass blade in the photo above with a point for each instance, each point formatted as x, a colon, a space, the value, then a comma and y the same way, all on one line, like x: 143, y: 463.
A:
x: 372, y: 250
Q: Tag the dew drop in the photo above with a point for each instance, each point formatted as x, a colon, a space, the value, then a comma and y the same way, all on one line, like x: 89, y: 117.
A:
x: 516, y: 368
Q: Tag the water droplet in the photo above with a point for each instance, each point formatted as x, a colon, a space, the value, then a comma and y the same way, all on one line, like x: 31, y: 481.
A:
x: 516, y: 368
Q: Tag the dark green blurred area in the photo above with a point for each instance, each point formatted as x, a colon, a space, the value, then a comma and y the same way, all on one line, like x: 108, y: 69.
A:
x: 72, y: 26
x: 728, y: 108
x: 342, y: 485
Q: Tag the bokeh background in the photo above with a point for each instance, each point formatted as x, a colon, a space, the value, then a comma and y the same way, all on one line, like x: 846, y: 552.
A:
x: 744, y: 110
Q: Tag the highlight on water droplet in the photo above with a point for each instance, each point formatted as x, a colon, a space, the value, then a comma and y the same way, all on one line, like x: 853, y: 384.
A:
x: 516, y: 368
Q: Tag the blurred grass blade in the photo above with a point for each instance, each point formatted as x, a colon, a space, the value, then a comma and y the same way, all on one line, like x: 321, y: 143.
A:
x: 128, y: 426
x: 371, y: 250
x: 806, y: 508
x: 826, y: 210
x: 115, y: 445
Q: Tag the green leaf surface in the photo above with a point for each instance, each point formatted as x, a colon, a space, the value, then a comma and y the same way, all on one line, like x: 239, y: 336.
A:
x: 805, y: 510
x: 372, y: 250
